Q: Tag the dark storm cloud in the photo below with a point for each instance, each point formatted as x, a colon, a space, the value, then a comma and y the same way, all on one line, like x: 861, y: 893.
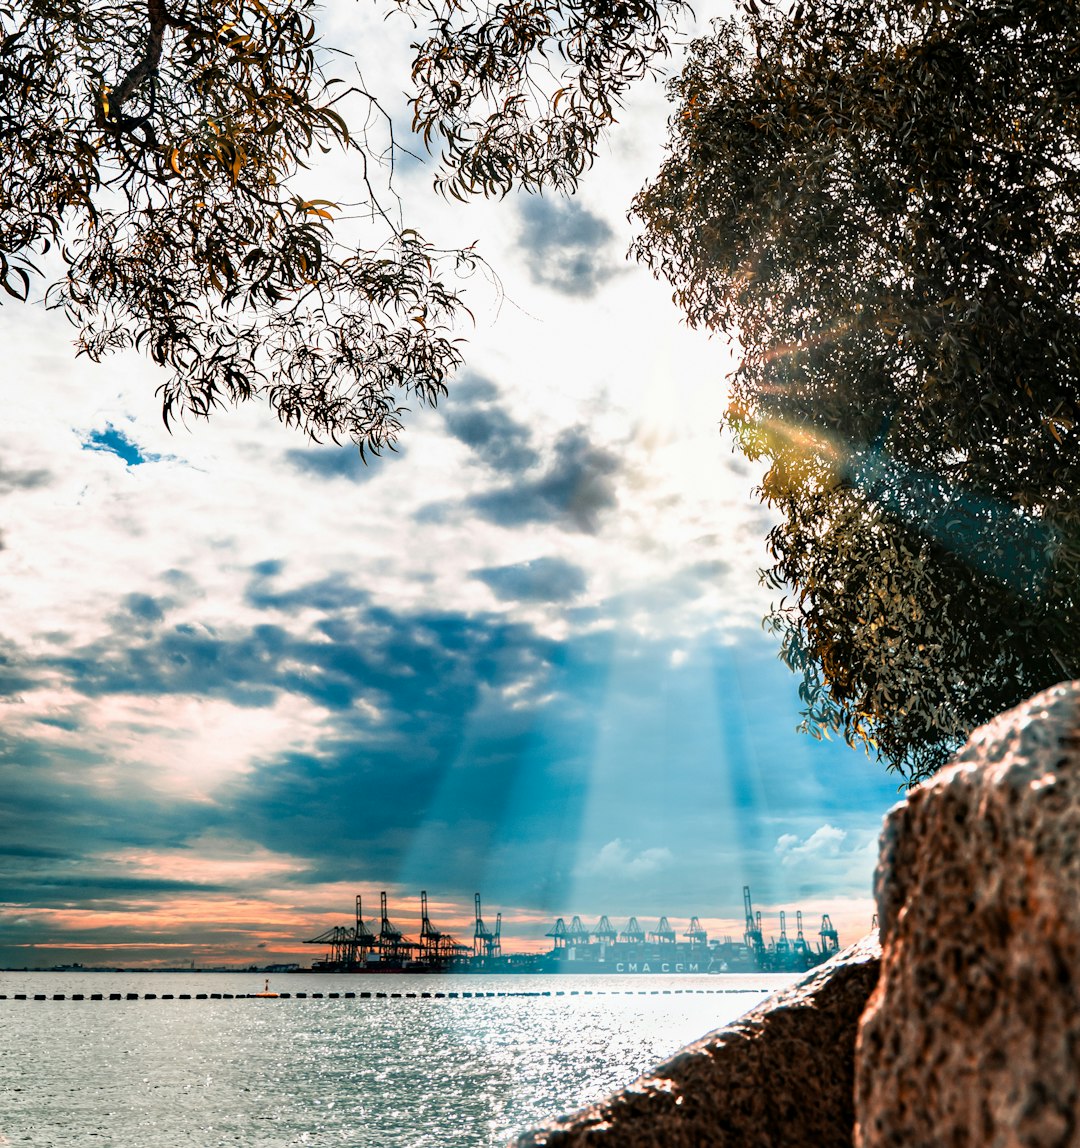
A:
x: 421, y: 705
x: 145, y: 607
x: 56, y: 820
x: 52, y: 890
x: 473, y: 416
x: 427, y: 787
x: 565, y: 246
x: 17, y: 671
x: 466, y: 750
x: 14, y: 479
x: 335, y: 462
x: 541, y: 580
x: 328, y: 594
x: 429, y: 668
x: 573, y: 491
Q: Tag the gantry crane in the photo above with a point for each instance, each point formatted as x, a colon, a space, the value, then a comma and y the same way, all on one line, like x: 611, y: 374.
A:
x: 800, y: 944
x: 633, y: 934
x: 752, y: 935
x: 604, y: 932
x: 577, y: 934
x: 695, y: 934
x: 665, y: 934
x: 783, y: 945
x: 485, y: 942
x: 436, y: 948
x: 391, y: 942
x: 830, y: 940
x: 347, y: 945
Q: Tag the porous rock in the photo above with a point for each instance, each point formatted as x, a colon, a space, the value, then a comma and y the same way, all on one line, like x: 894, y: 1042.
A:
x: 972, y: 1036
x: 781, y: 1076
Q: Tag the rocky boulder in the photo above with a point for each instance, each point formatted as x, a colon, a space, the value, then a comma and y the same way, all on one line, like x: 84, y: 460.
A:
x: 972, y: 1037
x: 782, y: 1076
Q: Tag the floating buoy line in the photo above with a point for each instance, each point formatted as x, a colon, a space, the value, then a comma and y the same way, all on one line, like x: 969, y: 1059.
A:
x: 266, y: 994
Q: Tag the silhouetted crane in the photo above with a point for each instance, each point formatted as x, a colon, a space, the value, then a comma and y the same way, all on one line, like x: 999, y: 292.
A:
x: 604, y: 932
x: 665, y: 934
x: 800, y: 946
x: 577, y: 934
x: 830, y: 941
x: 558, y: 934
x: 633, y: 934
x: 783, y: 946
x: 695, y: 934
x: 484, y: 941
x: 752, y: 935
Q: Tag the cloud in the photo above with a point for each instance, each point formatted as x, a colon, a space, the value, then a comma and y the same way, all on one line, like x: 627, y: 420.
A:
x: 617, y: 859
x: 499, y: 441
x: 540, y: 580
x: 565, y: 246
x: 830, y: 858
x: 145, y: 607
x: 824, y: 842
x: 572, y: 492
x: 474, y: 417
x: 11, y: 478
x: 326, y: 462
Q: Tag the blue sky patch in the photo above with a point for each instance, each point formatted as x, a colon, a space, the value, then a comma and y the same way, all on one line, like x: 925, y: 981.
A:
x: 114, y: 441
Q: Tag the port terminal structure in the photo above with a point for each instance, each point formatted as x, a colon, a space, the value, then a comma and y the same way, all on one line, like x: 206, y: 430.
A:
x: 358, y: 948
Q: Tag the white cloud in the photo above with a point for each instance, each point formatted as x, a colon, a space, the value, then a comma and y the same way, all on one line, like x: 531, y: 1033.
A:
x: 827, y: 841
x: 617, y: 859
x: 831, y: 858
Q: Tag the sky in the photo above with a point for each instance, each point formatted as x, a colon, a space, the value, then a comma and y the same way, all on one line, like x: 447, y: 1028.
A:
x: 245, y: 677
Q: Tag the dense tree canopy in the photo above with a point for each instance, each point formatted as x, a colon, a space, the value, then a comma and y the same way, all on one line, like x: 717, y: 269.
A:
x: 881, y: 199
x: 155, y: 143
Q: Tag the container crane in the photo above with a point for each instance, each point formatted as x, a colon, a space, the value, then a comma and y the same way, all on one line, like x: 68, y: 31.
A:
x: 633, y: 934
x: 665, y: 934
x: 391, y: 941
x: 347, y: 945
x: 430, y: 937
x: 830, y: 940
x: 800, y: 945
x: 695, y: 934
x: 577, y: 934
x: 558, y: 934
x: 752, y: 936
x: 604, y: 932
x: 484, y: 941
x: 436, y: 948
x: 783, y: 945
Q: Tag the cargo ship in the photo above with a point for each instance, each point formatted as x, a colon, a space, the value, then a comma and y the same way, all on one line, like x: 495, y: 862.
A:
x: 575, y: 949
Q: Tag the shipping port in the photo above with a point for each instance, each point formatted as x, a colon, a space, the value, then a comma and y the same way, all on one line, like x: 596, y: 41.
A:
x: 358, y: 948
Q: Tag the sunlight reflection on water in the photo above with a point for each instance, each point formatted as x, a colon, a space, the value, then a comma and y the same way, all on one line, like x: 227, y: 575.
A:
x: 463, y: 1073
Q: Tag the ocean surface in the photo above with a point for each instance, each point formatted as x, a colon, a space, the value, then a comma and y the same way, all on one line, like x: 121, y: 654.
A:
x: 379, y: 1073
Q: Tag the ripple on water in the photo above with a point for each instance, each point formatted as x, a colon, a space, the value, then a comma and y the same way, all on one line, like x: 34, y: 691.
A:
x: 418, y: 1073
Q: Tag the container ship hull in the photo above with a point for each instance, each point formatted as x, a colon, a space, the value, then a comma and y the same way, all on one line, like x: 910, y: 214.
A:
x: 591, y: 960
x: 674, y: 959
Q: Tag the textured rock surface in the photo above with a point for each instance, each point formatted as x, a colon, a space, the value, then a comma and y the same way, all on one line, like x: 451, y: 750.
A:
x: 972, y: 1037
x: 780, y: 1077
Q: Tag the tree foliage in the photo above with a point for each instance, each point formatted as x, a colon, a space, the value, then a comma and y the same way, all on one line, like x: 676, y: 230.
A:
x: 519, y: 92
x: 881, y: 200
x: 155, y: 145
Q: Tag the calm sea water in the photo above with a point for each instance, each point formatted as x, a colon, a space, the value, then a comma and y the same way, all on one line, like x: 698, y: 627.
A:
x: 438, y: 1073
